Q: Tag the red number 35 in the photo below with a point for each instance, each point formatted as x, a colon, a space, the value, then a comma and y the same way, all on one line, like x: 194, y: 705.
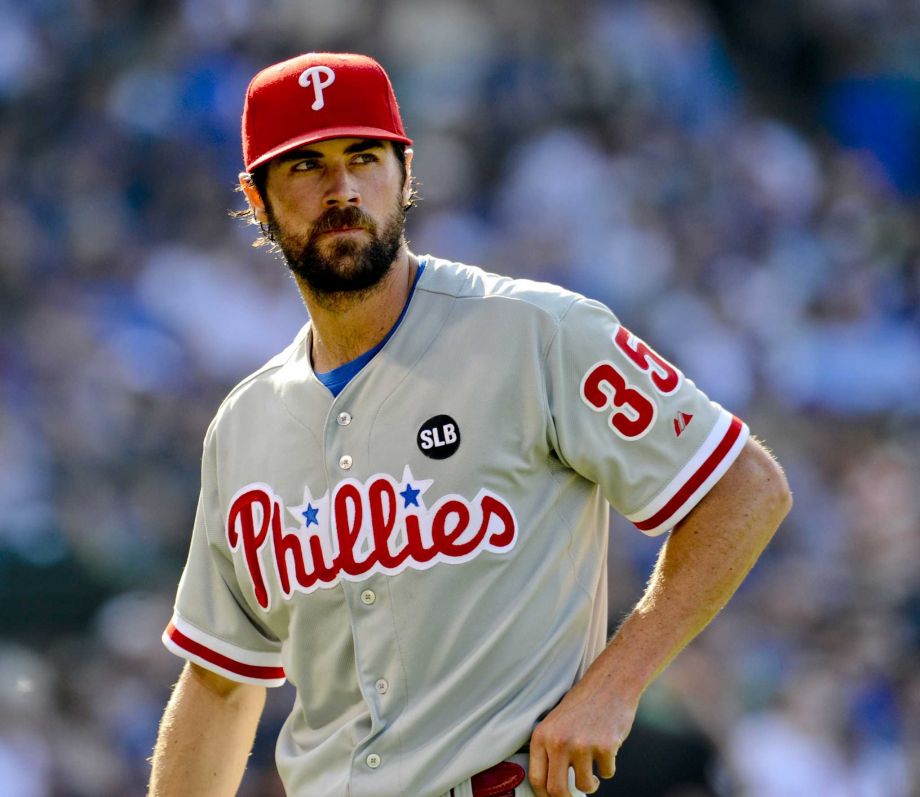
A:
x: 605, y: 386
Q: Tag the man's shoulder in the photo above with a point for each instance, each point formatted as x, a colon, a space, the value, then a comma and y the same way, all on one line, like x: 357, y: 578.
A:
x: 473, y: 283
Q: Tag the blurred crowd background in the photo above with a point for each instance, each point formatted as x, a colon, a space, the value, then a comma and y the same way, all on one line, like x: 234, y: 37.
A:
x: 737, y: 179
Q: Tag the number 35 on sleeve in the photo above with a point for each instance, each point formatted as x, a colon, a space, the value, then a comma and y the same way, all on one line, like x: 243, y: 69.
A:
x: 604, y: 387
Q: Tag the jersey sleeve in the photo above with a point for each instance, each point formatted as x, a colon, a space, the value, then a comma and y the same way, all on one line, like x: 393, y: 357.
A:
x: 211, y: 624
x: 625, y: 418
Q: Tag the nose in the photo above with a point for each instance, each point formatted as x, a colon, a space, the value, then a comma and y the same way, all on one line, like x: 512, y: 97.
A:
x: 340, y: 188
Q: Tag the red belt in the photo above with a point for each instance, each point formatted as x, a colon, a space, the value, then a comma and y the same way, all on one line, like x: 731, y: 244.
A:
x: 497, y: 781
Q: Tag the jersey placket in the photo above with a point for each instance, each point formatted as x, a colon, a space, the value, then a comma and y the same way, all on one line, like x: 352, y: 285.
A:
x: 374, y: 764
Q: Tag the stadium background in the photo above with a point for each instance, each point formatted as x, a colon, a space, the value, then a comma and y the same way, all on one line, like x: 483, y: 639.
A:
x: 738, y: 180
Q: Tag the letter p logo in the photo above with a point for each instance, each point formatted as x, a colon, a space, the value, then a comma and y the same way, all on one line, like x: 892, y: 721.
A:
x: 320, y: 77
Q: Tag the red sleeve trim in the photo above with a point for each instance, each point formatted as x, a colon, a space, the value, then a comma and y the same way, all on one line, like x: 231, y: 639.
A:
x: 692, y: 484
x: 255, y: 671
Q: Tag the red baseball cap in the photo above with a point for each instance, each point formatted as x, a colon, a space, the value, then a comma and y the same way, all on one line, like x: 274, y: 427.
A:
x: 315, y: 97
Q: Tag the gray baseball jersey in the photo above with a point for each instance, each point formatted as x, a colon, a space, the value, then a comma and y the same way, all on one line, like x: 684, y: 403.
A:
x: 424, y: 555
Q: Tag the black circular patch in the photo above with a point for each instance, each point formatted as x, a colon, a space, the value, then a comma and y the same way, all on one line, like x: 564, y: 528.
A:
x: 439, y: 437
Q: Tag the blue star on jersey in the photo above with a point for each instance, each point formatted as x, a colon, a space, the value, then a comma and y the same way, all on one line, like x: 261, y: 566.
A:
x: 410, y: 496
x: 313, y: 511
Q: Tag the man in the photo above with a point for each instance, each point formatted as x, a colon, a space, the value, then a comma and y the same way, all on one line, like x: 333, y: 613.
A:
x: 405, y: 513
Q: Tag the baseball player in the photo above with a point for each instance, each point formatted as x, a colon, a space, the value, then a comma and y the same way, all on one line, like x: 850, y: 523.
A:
x: 405, y: 512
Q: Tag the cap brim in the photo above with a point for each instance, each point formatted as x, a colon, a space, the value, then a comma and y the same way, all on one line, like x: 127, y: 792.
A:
x: 326, y: 135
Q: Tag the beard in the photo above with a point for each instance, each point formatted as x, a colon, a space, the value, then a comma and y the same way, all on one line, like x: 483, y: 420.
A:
x: 343, y: 266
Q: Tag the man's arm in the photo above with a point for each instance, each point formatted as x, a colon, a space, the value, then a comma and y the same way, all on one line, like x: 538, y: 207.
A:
x: 205, y: 735
x: 700, y: 566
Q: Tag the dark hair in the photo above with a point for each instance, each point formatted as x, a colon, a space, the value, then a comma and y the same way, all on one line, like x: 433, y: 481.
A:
x: 259, y: 178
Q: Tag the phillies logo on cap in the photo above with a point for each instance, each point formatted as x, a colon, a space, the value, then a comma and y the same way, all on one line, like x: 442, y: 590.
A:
x: 278, y: 116
x: 320, y: 77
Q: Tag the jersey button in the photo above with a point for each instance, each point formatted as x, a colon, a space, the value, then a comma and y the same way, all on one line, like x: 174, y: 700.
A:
x: 343, y: 419
x: 373, y: 760
x: 345, y: 462
x: 381, y: 686
x: 368, y: 597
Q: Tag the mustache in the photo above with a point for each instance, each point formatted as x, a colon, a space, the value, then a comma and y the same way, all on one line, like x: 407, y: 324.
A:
x: 335, y: 218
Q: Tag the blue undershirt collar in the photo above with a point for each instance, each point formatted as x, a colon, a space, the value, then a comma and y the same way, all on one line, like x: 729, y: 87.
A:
x: 336, y: 379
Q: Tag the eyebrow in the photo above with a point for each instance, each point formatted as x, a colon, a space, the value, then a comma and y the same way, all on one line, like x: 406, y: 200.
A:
x: 358, y: 146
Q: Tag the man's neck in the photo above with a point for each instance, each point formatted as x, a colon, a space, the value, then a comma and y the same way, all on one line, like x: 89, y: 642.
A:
x: 349, y: 325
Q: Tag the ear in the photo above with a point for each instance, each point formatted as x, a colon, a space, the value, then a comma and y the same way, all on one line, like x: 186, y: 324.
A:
x: 407, y: 188
x: 253, y: 197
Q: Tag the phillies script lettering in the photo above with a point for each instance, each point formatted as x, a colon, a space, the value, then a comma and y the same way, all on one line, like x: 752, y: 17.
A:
x: 378, y: 526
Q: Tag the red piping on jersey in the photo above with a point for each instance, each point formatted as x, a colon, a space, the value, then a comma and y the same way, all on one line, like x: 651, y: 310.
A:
x: 692, y: 484
x: 238, y: 667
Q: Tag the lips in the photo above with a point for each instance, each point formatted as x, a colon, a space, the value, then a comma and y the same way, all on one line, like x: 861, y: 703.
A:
x: 341, y: 230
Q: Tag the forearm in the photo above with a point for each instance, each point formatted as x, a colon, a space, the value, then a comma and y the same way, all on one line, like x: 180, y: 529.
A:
x: 699, y: 568
x: 205, y: 736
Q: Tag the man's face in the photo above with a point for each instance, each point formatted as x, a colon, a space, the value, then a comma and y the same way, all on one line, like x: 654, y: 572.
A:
x: 336, y: 210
